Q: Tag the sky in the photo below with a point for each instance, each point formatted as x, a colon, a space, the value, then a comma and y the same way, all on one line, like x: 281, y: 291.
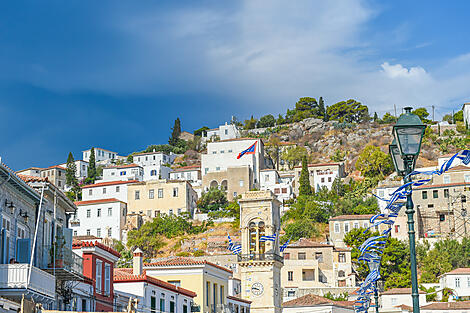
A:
x: 116, y: 74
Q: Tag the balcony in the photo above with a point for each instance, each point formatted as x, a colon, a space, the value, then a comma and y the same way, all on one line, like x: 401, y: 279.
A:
x: 63, y: 263
x: 221, y: 308
x: 14, y: 282
x: 260, y: 257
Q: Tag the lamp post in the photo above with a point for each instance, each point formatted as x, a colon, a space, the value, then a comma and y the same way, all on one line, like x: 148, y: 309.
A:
x: 374, y: 265
x: 408, y: 133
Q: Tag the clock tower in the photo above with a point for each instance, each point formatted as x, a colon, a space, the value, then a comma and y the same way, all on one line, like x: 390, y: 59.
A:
x: 260, y: 261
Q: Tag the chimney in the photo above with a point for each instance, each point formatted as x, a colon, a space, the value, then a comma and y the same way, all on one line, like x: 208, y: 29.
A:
x: 138, y: 262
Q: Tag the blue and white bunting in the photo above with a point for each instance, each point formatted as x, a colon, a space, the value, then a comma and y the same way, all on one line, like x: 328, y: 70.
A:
x: 236, y: 249
x: 268, y: 238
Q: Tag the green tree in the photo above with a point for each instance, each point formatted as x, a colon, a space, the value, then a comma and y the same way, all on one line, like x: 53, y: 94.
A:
x: 339, y: 156
x: 266, y: 121
x: 280, y: 120
x: 321, y: 109
x: 251, y: 123
x: 199, y: 132
x: 293, y: 155
x: 448, y: 118
x: 212, y: 200
x: 373, y: 162
x: 458, y: 116
x: 304, y: 181
x: 175, y: 133
x: 376, y: 117
x: 147, y: 239
x: 388, y: 119
x: 305, y: 104
x: 301, y: 229
x: 91, y: 167
x: 71, y: 176
x: 350, y: 111
x: 272, y: 149
x: 422, y: 114
x: 435, y: 263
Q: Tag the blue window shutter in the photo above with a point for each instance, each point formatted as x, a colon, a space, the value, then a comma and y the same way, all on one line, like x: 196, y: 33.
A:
x: 23, y: 250
x: 68, y: 237
x: 5, y: 247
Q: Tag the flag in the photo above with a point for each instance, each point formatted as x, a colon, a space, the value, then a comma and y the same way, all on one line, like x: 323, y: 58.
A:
x: 236, y: 249
x: 284, y: 245
x: 268, y: 238
x: 250, y: 150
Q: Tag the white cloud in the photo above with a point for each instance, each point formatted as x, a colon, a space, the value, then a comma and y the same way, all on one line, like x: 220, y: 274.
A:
x: 398, y: 71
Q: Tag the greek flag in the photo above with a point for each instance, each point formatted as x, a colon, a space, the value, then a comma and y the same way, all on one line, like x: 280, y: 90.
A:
x: 236, y: 249
x: 284, y: 245
x: 268, y: 238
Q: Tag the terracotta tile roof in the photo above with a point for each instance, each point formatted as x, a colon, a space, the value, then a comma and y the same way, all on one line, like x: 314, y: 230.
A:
x: 307, y: 243
x: 99, y: 149
x: 405, y: 307
x: 30, y: 168
x: 352, y: 217
x: 459, y: 168
x: 55, y: 166
x: 461, y: 270
x: 29, y: 178
x: 110, y: 183
x: 153, y: 152
x: 342, y: 249
x: 314, y: 300
x: 268, y: 169
x: 238, y: 299
x: 124, y: 166
x: 447, y: 305
x: 85, y: 237
x: 237, y: 139
x: 320, y: 164
x: 400, y: 291
x: 187, y: 168
x: 124, y: 275
x: 78, y: 244
x: 441, y: 185
x: 181, y: 261
x: 86, y: 202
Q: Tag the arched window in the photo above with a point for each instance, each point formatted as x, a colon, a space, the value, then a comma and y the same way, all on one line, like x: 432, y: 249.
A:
x: 253, y: 231
x: 261, y: 231
x: 153, y: 173
x: 341, y: 274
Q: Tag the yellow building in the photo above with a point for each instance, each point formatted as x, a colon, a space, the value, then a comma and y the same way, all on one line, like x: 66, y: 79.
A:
x: 209, y: 281
x: 155, y: 197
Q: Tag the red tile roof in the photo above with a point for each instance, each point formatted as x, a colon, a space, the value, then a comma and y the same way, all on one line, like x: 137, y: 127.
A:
x: 400, y: 291
x: 236, y: 139
x: 124, y: 275
x: 306, y: 243
x: 320, y: 164
x: 405, y: 307
x: 55, y: 166
x: 78, y: 244
x: 124, y: 166
x: 314, y: 300
x: 447, y: 305
x: 153, y: 152
x: 97, y: 201
x: 238, y: 299
x: 441, y: 185
x: 459, y: 168
x: 187, y: 168
x: 110, y: 183
x: 461, y: 270
x: 29, y: 178
x: 180, y: 261
x: 352, y: 217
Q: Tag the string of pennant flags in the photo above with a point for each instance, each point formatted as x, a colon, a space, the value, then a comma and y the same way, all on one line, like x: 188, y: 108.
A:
x: 372, y: 249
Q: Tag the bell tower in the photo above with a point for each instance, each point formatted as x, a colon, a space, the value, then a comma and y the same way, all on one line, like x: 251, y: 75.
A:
x: 260, y: 261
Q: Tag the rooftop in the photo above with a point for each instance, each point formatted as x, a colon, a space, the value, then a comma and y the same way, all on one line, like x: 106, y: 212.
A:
x: 238, y: 299
x: 400, y: 291
x: 458, y: 305
x: 307, y: 243
x: 441, y: 185
x: 181, y: 261
x: 349, y: 217
x: 124, y: 166
x: 97, y: 201
x: 461, y: 270
x: 314, y: 300
x: 187, y: 168
x: 78, y: 244
x: 99, y: 149
x: 147, y: 153
x: 125, y: 275
x: 110, y: 183
x: 321, y: 164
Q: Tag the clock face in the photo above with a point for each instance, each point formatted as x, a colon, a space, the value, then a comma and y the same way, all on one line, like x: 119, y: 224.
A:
x: 257, y: 289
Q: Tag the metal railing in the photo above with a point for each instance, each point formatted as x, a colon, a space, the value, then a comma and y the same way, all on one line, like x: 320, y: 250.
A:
x: 221, y: 308
x: 260, y: 257
x: 63, y: 258
x: 16, y: 276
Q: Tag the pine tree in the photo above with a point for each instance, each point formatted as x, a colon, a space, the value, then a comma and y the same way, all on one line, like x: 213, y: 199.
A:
x: 92, y: 167
x: 304, y: 182
x: 175, y: 134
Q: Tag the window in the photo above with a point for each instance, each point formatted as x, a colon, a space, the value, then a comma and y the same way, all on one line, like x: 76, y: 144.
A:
x: 157, y: 213
x: 226, y: 131
x: 90, y: 192
x: 457, y: 282
x: 290, y: 275
x: 342, y: 258
x: 110, y: 211
x: 98, y: 232
x: 446, y: 193
x: 291, y: 293
x: 88, y: 232
x: 234, y: 194
x: 341, y: 274
x: 88, y: 213
x: 430, y: 206
x: 222, y: 295
x: 153, y: 304
x: 179, y: 211
x: 394, y: 301
x: 442, y: 217
x: 75, y: 233
x: 172, y: 306
x: 336, y: 227
x: 365, y: 225
x: 356, y: 224
x: 117, y: 188
x: 381, y: 193
x: 175, y: 192
x: 59, y: 182
x: 241, y: 183
x: 170, y: 212
x: 162, y: 304
x: 206, y: 170
x: 424, y: 195
x: 319, y: 257
x: 107, y: 278
x: 99, y: 268
x: 214, y: 152
x: 323, y: 179
x: 467, y: 178
x: 160, y: 193
x: 153, y: 173
x: 463, y: 198
x: 468, y: 281
x: 151, y: 194
x: 301, y: 256
x: 446, y: 179
x: 98, y: 212
x: 222, y: 151
x: 137, y: 195
x: 208, y: 289
x: 308, y: 275
x: 177, y: 283
x: 346, y: 227
x: 397, y: 228
x: 110, y: 232
x: 230, y: 150
x: 122, y: 173
x: 104, y: 191
x: 185, y: 308
x: 284, y: 190
x: 217, y: 168
x: 277, y: 190
x: 435, y: 194
x: 286, y: 256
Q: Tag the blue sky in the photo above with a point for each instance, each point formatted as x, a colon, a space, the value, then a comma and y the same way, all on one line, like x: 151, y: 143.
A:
x: 115, y: 74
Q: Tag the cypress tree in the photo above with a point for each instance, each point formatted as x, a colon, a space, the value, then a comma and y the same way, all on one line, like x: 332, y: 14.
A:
x: 92, y: 166
x: 321, y: 108
x: 376, y: 117
x: 176, y: 132
x: 304, y: 182
x: 71, y: 171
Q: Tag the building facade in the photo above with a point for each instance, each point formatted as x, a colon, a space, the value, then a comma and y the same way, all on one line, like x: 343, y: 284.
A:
x: 320, y: 175
x: 153, y: 158
x: 459, y: 281
x: 190, y: 173
x: 223, y: 132
x: 122, y: 172
x: 100, y: 155
x: 106, y: 190
x: 466, y: 113
x: 339, y: 226
x: 56, y: 175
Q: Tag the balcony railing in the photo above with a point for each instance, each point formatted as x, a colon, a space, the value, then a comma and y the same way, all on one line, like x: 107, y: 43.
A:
x: 260, y: 257
x: 221, y: 308
x: 63, y: 263
x: 15, y: 276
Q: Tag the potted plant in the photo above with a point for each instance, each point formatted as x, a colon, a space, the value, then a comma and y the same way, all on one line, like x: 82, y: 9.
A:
x: 57, y: 253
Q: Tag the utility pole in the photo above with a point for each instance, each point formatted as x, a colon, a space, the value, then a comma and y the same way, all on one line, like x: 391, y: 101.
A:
x: 433, y: 113
x: 395, y: 108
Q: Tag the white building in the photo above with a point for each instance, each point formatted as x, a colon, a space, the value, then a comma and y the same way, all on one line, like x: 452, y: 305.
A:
x: 123, y: 172
x: 392, y: 299
x: 101, y: 218
x: 466, y: 113
x: 153, y: 295
x: 444, y: 158
x: 155, y: 172
x: 190, y: 173
x: 223, y: 132
x: 459, y: 281
x: 100, y: 155
x: 32, y: 171
x: 106, y: 190
x: 313, y: 303
x: 320, y: 175
x: 81, y: 166
x: 153, y: 158
x: 447, y: 307
x: 281, y: 187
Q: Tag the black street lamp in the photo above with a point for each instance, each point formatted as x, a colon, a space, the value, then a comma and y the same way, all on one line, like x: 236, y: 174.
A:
x: 408, y: 133
x: 374, y: 265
